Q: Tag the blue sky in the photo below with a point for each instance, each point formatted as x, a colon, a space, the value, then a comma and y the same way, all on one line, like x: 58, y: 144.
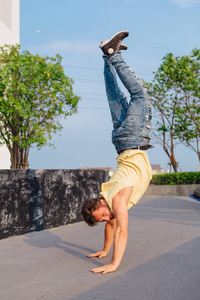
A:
x: 74, y: 29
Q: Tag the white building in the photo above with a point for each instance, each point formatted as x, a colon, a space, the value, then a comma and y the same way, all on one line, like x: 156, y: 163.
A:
x: 157, y: 170
x: 9, y: 34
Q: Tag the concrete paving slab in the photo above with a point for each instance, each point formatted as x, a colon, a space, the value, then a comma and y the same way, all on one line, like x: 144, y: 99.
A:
x: 162, y: 259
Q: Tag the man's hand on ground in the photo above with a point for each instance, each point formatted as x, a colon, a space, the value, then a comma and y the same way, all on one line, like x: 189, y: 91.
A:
x: 99, y: 254
x: 105, y: 269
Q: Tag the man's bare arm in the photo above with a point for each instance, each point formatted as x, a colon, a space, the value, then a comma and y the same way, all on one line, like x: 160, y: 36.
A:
x: 108, y: 239
x: 121, y: 233
x: 119, y: 204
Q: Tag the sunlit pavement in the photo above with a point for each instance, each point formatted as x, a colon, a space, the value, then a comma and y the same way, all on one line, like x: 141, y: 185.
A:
x: 162, y: 259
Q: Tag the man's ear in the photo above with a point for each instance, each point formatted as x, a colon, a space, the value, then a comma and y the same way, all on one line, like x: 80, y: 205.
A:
x: 103, y: 202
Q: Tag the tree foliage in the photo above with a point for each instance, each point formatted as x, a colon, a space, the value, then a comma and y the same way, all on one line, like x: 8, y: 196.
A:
x: 175, y: 93
x: 188, y: 113
x: 34, y: 94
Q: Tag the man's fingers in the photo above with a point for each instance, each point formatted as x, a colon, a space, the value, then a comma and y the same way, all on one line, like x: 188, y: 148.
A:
x: 97, y: 270
x: 93, y: 254
x: 100, y: 254
x: 105, y: 269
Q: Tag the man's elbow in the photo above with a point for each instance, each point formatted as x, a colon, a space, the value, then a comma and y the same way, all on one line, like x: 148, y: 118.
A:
x: 112, y: 224
x: 122, y: 232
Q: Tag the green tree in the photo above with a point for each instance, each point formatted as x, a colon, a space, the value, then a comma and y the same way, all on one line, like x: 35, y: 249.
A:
x: 34, y: 94
x: 188, y: 121
x: 175, y: 93
x: 165, y: 102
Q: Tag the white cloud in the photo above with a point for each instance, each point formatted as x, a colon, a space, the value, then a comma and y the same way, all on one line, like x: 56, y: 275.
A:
x: 185, y: 3
x: 70, y: 46
x: 64, y: 46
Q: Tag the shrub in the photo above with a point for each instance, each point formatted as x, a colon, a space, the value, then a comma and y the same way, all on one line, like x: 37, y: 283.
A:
x: 176, y: 178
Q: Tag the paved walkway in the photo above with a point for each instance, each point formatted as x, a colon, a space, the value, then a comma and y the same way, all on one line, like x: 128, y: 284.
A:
x: 162, y: 259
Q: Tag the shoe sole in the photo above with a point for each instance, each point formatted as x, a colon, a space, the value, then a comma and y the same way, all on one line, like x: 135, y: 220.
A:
x: 123, y: 47
x: 107, y: 41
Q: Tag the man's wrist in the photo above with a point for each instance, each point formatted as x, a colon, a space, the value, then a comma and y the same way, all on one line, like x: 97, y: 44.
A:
x: 115, y: 264
x: 106, y: 251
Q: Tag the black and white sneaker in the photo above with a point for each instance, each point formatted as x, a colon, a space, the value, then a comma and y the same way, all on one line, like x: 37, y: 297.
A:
x: 123, y: 47
x: 113, y: 44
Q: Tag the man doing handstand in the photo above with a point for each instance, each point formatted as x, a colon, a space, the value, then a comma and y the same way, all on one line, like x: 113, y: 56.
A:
x: 130, y: 136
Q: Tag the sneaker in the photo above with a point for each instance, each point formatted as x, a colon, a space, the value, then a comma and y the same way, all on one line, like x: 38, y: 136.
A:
x: 113, y: 44
x: 123, y: 47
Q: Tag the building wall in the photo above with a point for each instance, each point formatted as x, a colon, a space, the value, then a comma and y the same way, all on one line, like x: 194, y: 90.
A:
x: 9, y: 22
x: 157, y: 171
x: 9, y: 34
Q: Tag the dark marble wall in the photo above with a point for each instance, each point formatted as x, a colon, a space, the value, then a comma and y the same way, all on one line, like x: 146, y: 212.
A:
x: 31, y: 200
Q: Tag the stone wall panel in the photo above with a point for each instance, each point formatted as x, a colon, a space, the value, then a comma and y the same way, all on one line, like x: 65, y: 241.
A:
x: 31, y: 200
x: 14, y: 202
x: 66, y: 193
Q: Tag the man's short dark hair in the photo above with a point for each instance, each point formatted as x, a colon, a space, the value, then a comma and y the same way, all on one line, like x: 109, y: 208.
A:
x: 88, y: 207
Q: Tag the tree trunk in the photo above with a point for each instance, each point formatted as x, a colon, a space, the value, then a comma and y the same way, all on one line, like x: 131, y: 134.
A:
x: 172, y: 158
x: 19, y: 157
x: 170, y: 152
x: 174, y: 162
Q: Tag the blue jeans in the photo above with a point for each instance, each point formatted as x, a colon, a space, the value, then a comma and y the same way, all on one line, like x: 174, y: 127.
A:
x: 131, y: 121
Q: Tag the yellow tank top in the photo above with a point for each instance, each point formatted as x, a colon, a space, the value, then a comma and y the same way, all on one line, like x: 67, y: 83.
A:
x: 133, y: 169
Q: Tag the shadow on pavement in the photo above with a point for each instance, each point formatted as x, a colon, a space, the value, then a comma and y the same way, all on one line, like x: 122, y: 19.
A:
x: 173, y: 275
x: 47, y: 239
